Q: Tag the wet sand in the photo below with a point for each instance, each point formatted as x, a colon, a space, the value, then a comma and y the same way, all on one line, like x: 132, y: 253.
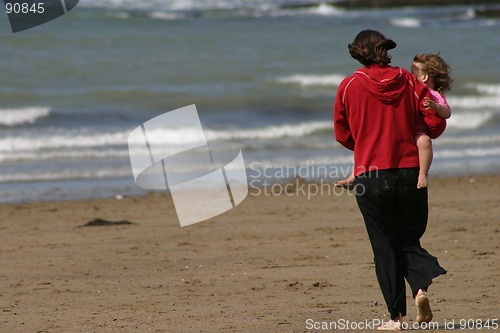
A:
x: 273, y: 264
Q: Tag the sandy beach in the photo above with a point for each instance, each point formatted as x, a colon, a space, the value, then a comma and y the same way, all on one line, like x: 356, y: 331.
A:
x: 272, y: 264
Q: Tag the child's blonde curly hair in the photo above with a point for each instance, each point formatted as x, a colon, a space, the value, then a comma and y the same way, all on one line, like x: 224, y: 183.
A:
x: 437, y: 69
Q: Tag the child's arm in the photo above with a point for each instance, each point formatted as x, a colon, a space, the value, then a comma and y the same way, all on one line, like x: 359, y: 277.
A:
x: 442, y: 110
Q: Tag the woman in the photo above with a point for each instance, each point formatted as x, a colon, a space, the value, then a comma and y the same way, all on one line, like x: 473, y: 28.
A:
x: 375, y: 115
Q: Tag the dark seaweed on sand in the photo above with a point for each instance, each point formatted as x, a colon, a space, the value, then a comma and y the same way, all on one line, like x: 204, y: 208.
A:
x: 98, y: 222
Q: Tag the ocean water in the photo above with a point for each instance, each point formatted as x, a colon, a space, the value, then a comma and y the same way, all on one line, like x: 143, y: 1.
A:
x: 263, y: 79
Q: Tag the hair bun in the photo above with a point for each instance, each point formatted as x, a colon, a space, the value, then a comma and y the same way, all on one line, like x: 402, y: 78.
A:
x: 370, y: 47
x: 387, y: 44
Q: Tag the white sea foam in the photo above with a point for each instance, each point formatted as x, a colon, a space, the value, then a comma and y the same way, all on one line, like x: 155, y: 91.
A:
x: 486, y: 88
x: 65, y: 174
x: 406, y: 22
x: 82, y: 142
x: 474, y: 102
x: 312, y: 80
x: 327, y: 10
x: 20, y: 116
x: 161, y: 15
x: 467, y: 152
x: 175, y: 5
x: 258, y: 8
x: 181, y: 136
x: 62, y: 154
x: 469, y: 140
x: 271, y: 132
x: 177, y: 136
x: 120, y: 14
x: 161, y: 9
x: 45, y: 141
x: 469, y: 120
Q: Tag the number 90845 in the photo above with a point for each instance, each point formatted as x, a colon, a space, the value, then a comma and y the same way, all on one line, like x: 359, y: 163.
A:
x: 24, y: 8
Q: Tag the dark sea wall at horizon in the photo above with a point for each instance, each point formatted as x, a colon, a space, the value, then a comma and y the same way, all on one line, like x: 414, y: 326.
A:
x: 390, y: 3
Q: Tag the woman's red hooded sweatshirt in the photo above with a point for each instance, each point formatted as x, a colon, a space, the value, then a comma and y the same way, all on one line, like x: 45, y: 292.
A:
x: 375, y: 114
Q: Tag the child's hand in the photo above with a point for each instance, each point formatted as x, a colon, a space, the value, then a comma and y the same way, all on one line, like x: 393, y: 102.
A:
x: 429, y: 103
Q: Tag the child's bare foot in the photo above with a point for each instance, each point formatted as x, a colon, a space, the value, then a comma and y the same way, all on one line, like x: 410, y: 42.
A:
x: 423, y: 180
x: 347, y: 183
x: 424, y: 312
x: 392, y: 325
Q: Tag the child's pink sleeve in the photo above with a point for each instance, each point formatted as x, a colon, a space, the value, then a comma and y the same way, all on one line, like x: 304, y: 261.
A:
x: 439, y: 98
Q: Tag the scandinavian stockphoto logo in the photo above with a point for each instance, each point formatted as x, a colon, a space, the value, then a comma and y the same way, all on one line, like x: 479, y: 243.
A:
x: 26, y: 14
x: 171, y: 152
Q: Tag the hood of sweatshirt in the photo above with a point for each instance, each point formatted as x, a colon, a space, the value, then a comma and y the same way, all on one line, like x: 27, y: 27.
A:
x: 386, y: 83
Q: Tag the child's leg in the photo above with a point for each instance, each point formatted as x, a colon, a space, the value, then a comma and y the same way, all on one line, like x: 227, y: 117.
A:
x: 424, y: 145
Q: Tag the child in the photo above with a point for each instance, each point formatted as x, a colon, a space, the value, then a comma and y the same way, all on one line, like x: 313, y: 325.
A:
x: 434, y: 72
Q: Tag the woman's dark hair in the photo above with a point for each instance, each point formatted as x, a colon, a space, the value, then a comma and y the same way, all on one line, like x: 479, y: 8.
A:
x: 370, y: 47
